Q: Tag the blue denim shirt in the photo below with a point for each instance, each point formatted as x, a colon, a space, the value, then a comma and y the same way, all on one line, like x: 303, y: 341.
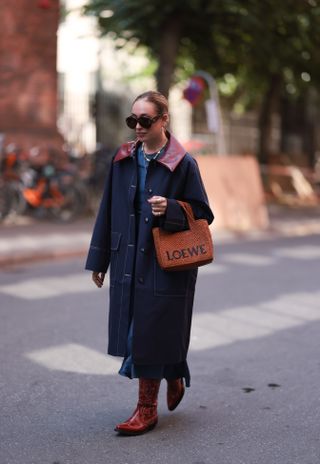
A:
x: 142, y: 174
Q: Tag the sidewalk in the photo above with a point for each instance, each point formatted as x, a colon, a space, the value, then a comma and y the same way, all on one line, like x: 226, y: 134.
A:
x: 30, y: 240
x: 37, y: 240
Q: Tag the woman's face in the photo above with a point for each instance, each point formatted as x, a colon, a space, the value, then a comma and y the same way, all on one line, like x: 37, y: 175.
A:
x: 146, y: 108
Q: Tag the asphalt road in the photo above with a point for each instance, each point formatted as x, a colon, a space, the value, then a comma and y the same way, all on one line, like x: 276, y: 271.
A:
x: 254, y: 361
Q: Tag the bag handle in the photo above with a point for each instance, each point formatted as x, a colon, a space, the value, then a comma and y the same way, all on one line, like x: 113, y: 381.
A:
x: 189, y: 212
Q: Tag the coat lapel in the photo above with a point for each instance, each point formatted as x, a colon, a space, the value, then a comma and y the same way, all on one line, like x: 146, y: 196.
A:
x: 171, y: 158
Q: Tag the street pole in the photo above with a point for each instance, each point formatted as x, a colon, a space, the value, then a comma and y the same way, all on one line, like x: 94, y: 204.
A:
x: 214, y: 96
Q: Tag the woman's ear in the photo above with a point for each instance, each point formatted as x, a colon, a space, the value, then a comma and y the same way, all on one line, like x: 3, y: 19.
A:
x: 165, y: 120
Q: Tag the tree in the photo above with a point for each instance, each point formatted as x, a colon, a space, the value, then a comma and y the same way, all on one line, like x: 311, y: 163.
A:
x: 167, y: 29
x: 270, y: 47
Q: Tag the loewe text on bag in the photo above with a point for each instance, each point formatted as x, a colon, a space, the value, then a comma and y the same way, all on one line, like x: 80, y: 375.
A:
x: 187, y: 249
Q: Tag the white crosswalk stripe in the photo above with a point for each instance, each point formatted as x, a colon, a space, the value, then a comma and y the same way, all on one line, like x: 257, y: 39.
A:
x: 247, y: 322
x: 212, y: 269
x: 26, y: 242
x: 73, y: 357
x: 209, y: 330
x: 248, y: 259
x: 302, y: 252
x: 48, y: 287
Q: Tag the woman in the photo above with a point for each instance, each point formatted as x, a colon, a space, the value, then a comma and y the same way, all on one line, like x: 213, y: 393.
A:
x: 150, y: 309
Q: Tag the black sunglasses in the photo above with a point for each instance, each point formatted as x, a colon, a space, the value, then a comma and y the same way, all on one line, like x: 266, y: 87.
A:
x: 144, y: 121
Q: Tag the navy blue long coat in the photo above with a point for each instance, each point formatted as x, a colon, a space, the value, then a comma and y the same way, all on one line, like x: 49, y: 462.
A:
x: 162, y: 301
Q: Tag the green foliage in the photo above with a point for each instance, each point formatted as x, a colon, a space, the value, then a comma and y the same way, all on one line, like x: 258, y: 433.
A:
x: 243, y: 43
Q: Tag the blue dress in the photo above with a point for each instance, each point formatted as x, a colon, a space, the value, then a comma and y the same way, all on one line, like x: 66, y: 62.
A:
x: 128, y: 368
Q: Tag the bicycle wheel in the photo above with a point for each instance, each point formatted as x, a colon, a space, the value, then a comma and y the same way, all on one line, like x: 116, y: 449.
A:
x: 18, y: 202
x: 71, y: 207
x: 5, y: 201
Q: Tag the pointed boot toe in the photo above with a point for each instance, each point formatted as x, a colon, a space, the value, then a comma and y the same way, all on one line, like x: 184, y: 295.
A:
x: 145, y: 416
x: 175, y: 393
x: 143, y: 420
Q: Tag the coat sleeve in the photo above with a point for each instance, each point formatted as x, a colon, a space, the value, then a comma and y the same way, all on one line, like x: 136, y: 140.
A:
x: 194, y: 193
x: 99, y: 252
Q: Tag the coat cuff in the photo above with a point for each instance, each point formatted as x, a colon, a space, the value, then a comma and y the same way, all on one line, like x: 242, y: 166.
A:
x: 97, y: 260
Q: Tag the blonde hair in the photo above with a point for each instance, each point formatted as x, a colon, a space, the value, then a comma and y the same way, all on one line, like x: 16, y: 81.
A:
x: 159, y: 100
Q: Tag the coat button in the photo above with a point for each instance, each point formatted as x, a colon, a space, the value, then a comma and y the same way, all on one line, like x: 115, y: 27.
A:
x: 150, y: 190
x: 142, y: 250
x: 141, y: 280
x: 146, y: 219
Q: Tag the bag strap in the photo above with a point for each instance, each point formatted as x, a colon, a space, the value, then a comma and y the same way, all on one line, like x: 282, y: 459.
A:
x: 188, y: 210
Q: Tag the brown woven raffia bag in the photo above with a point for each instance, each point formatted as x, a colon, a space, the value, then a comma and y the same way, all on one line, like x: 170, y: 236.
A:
x: 187, y: 249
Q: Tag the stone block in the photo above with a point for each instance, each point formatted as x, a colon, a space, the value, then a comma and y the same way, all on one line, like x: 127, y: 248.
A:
x: 235, y: 191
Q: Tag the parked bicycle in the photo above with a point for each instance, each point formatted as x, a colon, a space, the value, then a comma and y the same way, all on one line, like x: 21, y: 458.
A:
x: 44, y: 184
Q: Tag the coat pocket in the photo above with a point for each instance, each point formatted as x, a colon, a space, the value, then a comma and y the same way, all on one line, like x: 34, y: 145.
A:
x: 115, y: 246
x: 170, y: 283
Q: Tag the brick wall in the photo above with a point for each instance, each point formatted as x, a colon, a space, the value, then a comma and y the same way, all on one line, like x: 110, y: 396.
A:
x: 28, y: 78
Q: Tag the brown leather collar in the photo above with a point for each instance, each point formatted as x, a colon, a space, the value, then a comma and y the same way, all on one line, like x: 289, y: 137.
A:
x: 172, y: 156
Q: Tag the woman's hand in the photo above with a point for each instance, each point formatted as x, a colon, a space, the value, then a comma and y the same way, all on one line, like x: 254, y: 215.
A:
x: 158, y: 205
x: 98, y: 278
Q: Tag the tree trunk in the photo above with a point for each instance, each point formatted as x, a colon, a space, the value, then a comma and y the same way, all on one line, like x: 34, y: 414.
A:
x: 297, y: 119
x: 168, y: 51
x: 311, y: 114
x: 268, y: 106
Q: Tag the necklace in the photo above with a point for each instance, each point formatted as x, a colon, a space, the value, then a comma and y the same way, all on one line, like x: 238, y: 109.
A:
x: 152, y: 156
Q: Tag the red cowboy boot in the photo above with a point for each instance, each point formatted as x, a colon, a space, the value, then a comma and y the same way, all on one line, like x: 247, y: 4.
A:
x: 175, y: 393
x: 145, y: 416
